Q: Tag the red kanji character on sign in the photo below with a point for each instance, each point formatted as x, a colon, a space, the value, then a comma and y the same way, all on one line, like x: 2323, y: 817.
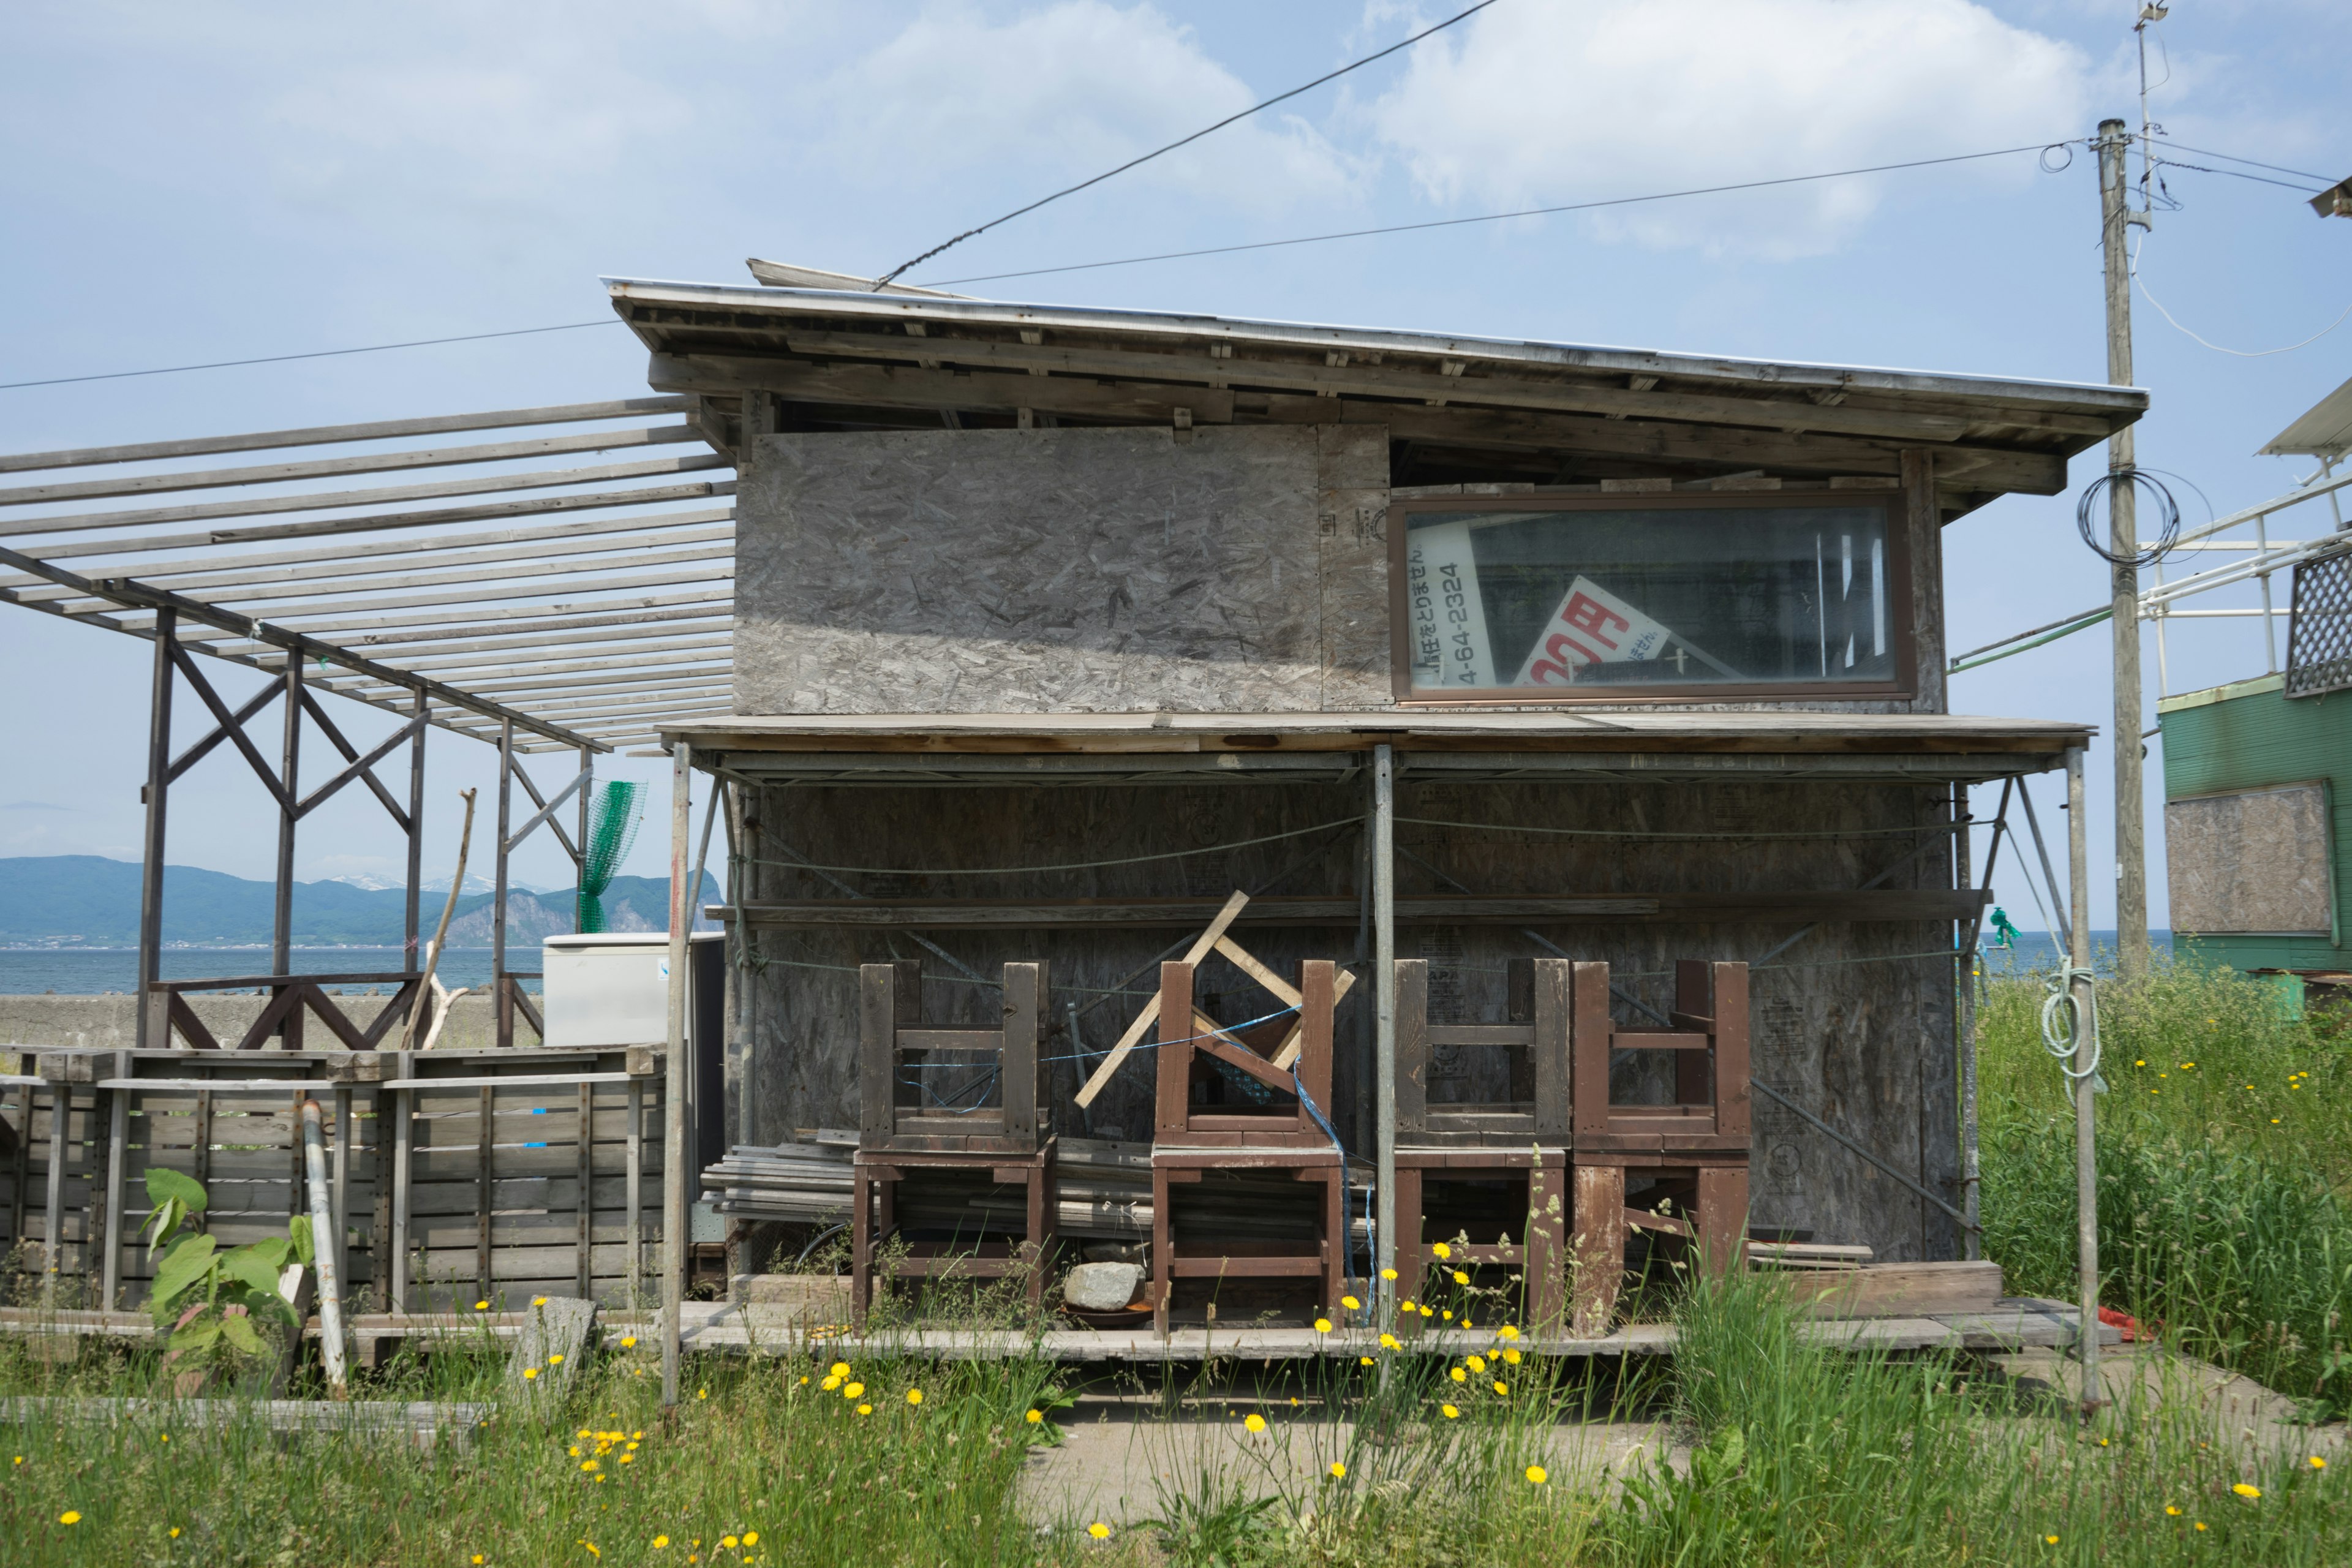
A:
x: 1591, y: 617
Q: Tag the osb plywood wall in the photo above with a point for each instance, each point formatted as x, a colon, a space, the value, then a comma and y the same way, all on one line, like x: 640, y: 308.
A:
x: 1867, y: 1045
x: 1215, y: 570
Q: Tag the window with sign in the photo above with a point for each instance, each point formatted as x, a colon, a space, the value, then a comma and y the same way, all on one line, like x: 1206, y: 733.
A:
x: 1651, y: 596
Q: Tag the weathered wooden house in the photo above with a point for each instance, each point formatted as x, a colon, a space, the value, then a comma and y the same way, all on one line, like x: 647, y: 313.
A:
x: 1054, y: 627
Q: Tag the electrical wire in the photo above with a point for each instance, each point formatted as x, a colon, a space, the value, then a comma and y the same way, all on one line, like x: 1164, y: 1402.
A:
x: 2234, y: 158
x: 2038, y: 147
x: 1146, y: 158
x: 319, y: 353
x: 2167, y: 509
x: 2141, y: 283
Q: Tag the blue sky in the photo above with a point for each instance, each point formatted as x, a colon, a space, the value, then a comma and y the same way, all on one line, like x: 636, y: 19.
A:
x: 198, y: 182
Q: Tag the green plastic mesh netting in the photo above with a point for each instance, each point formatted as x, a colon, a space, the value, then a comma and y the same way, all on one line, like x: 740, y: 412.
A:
x: 614, y: 813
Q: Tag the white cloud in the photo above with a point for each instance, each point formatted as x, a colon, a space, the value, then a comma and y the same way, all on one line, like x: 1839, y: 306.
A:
x: 1063, y: 93
x: 1538, y: 105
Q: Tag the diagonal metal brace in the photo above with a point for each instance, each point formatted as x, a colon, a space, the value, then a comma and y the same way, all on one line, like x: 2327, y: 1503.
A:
x: 1823, y: 1128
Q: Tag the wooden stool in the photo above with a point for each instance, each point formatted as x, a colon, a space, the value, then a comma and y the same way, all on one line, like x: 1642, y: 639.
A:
x: 1703, y: 1136
x: 999, y: 1142
x: 1190, y: 1140
x: 1526, y: 1133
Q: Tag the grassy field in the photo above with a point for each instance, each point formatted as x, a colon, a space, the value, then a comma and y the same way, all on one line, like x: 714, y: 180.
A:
x: 2223, y: 1206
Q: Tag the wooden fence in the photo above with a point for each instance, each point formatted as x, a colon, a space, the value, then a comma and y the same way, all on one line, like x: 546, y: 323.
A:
x: 458, y: 1176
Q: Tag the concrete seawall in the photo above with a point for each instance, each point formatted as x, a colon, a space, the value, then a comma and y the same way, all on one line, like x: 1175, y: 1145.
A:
x: 110, y: 1022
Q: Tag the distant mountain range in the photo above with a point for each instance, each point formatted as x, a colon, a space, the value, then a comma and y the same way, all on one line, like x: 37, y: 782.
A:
x: 88, y: 901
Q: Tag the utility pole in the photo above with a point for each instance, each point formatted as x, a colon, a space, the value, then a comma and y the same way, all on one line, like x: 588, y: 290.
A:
x: 2123, y: 547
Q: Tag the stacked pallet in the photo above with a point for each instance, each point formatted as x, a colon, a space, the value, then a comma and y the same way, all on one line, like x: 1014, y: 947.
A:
x: 1103, y: 1188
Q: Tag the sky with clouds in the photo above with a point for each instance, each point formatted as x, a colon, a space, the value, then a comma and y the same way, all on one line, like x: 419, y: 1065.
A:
x: 196, y: 183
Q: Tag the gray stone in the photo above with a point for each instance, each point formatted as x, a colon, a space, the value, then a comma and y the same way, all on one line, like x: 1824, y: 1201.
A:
x: 1102, y: 1287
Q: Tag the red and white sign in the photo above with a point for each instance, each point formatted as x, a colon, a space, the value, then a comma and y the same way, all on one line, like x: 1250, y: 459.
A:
x: 1592, y: 626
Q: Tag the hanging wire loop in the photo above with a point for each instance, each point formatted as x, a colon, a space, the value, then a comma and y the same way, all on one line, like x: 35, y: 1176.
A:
x: 2069, y: 1031
x: 2168, y: 511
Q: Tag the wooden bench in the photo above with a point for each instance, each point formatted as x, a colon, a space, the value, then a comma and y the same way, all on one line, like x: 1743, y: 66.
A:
x: 1003, y: 1136
x: 1697, y: 1147
x: 1193, y: 1138
x: 1523, y: 1138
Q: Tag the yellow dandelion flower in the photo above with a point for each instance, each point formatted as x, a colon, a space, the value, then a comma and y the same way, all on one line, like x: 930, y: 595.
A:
x: 2049, y: 1540
x: 1351, y: 1303
x: 839, y: 1369
x: 702, y: 1394
x: 70, y: 1516
x: 555, y: 1360
x: 590, y: 1465
x: 1035, y: 1417
x: 481, y: 1306
x: 728, y: 1542
x: 1368, y: 1361
x: 1388, y: 1274
x: 829, y: 1385
x: 539, y: 1301
x: 1442, y: 1251
x: 2317, y: 1463
x: 528, y: 1372
x: 1322, y: 1325
x: 628, y: 1458
x: 575, y: 1449
x: 1503, y: 1388
x: 1538, y: 1475
x: 1406, y: 1306
x: 750, y: 1538
x: 914, y: 1396
x: 629, y: 1341
x: 1450, y: 1413
x: 1478, y: 1364
x: 175, y: 1533
x: 2171, y: 1510
x: 1466, y: 1322
x: 1459, y: 1375
x: 1099, y: 1530
x: 1253, y: 1422
x: 661, y: 1543
x: 1387, y: 1341
x: 852, y: 1390
x: 1447, y: 1314
x: 865, y: 1410
x: 2200, y: 1524
x: 636, y: 1437
x: 1338, y: 1471
x: 1507, y: 1331
x: 1512, y: 1357
x: 1460, y: 1277
x: 2248, y: 1492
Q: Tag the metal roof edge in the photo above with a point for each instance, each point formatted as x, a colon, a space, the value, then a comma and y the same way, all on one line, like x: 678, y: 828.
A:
x: 2224, y: 693
x: 2129, y: 399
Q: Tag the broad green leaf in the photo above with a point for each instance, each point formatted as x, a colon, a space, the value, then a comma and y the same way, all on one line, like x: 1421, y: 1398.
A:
x: 163, y: 1224
x: 241, y: 1334
x: 253, y: 1266
x: 189, y: 1262
x: 197, y: 1336
x: 164, y: 1185
x: 298, y: 1230
x: 275, y: 1249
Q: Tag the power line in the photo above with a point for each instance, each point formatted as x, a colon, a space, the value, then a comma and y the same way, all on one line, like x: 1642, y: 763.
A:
x: 1196, y: 135
x: 1499, y: 217
x: 2232, y: 158
x: 319, y: 353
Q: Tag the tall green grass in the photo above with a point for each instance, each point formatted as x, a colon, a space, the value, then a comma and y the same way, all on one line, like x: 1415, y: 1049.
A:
x: 2224, y: 1172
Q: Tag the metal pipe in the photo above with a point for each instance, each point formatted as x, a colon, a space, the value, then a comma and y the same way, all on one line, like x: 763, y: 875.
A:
x: 2049, y: 877
x: 2270, y: 631
x: 281, y: 933
x: 1384, y: 1025
x: 2086, y: 1086
x: 1963, y: 1016
x: 411, y: 910
x: 323, y: 1240
x: 502, y: 1009
x: 674, y: 1088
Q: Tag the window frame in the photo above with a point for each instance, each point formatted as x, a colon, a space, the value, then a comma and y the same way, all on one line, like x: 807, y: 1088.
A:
x: 1903, y: 603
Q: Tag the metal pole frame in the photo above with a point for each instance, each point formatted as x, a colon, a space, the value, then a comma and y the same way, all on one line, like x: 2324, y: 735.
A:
x: 151, y: 869
x: 411, y: 916
x: 501, y: 1002
x: 2086, y: 1174
x: 674, y: 1074
x: 1383, y: 858
x: 281, y: 931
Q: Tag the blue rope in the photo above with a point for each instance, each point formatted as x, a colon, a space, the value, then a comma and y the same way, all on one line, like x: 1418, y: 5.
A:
x: 1347, y: 1243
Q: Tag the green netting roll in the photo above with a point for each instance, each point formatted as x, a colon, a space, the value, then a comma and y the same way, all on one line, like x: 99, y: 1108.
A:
x: 612, y: 818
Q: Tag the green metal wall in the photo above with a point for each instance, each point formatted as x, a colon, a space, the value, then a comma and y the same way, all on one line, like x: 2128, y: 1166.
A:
x: 2246, y: 737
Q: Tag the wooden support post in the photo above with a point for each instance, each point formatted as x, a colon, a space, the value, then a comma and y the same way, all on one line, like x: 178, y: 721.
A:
x: 1411, y: 1050
x: 880, y: 996
x: 2123, y: 548
x: 54, y: 1219
x: 1598, y: 1247
x: 342, y: 1208
x: 1546, y: 1239
x: 118, y: 1159
x: 484, y: 1140
x: 1024, y: 1029
x: 1551, y: 1010
x: 1964, y: 1015
x: 1384, y: 1028
x: 633, y: 1180
x: 1721, y: 1222
x: 411, y: 959
x: 1591, y: 1034
x: 154, y: 1024
x: 585, y: 1207
x: 393, y: 1268
x: 202, y: 1162
x: 281, y: 930
x: 1172, y: 1084
x: 675, y: 1178
x: 22, y: 1174
x: 501, y: 998
x: 296, y: 1203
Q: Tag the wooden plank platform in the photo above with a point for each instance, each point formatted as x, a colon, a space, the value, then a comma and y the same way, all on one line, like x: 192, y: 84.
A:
x: 2014, y: 1323
x: 422, y: 1422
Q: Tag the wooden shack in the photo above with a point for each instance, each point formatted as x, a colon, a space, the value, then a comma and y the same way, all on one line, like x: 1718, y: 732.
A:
x: 1055, y: 626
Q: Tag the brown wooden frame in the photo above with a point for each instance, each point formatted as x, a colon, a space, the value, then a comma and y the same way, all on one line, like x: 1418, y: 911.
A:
x: 1902, y: 609
x: 890, y: 1012
x: 1709, y: 1037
